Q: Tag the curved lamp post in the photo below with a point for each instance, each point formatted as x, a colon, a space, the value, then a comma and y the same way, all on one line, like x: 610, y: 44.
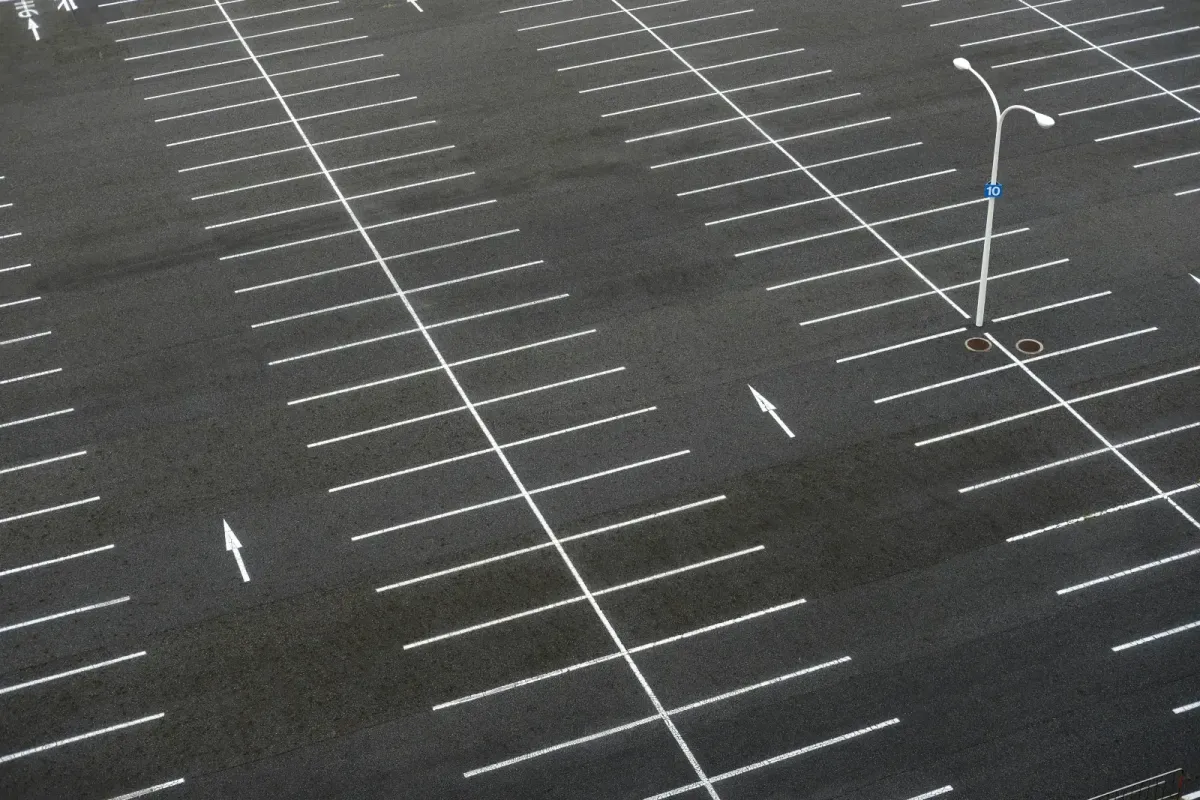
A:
x: 1043, y: 121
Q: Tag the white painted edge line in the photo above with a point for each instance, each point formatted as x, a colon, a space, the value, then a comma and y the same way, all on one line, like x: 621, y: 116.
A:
x: 323, y: 114
x: 40, y: 462
x: 991, y: 14
x: 245, y: 103
x: 235, y: 41
x: 1061, y: 26
x: 21, y: 302
x: 48, y: 562
x: 1158, y: 495
x: 1130, y: 571
x: 692, y: 97
x: 907, y: 343
x: 544, y: 545
x: 667, y: 50
x: 537, y: 5
x: 30, y: 376
x: 1185, y: 709
x: 595, y: 16
x: 1040, y: 309
x: 798, y: 169
x: 1111, y: 72
x: 17, y: 267
x: 756, y: 145
x: 645, y: 29
x: 206, y: 7
x: 24, y: 420
x: 1151, y: 129
x: 42, y: 748
x: 688, y: 72
x: 60, y: 615
x: 70, y: 672
x: 1156, y: 636
x: 1165, y: 160
x: 259, y: 77
x: 10, y: 235
x: 1187, y: 191
x: 776, y: 759
x: 935, y: 793
x: 1099, y: 47
x: 157, y: 787
x: 326, y: 310
x: 728, y: 120
x: 245, y: 58
x: 6, y: 342
x: 613, y: 656
x: 49, y: 510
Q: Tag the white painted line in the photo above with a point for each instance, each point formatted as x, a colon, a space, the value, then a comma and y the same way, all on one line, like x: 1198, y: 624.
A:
x: 235, y: 41
x: 1187, y: 191
x: 793, y: 137
x: 48, y: 562
x: 728, y: 120
x: 1151, y: 129
x: 79, y: 738
x: 826, y: 198
x: 166, y: 32
x: 326, y: 310
x: 667, y: 50
x: 1156, y: 636
x: 538, y: 5
x: 1159, y: 495
x: 10, y: 236
x: 543, y: 545
x: 241, y: 60
x: 60, y: 615
x: 245, y: 103
x: 1111, y: 72
x: 30, y: 376
x: 797, y: 169
x: 475, y: 276
x: 1079, y: 457
x: 456, y: 409
x: 594, y: 16
x: 310, y: 206
x: 991, y: 14
x: 315, y: 144
x: 760, y: 685
x: 1191, y: 796
x: 1040, y: 309
x: 1130, y: 571
x: 43, y: 461
x: 1097, y: 47
x: 865, y: 226
x: 579, y: 427
x: 70, y: 672
x: 908, y: 343
x: 24, y: 420
x: 1185, y: 709
x: 776, y: 759
x: 1126, y: 101
x: 935, y: 793
x: 690, y: 98
x: 259, y: 78
x: 17, y: 267
x: 613, y: 656
x: 435, y: 517
x: 688, y: 72
x: 1062, y: 26
x: 252, y: 128
x: 606, y: 472
x: 1166, y: 160
x: 22, y: 302
x: 189, y: 9
x: 158, y: 787
x: 49, y: 510
x: 5, y: 342
x: 641, y: 30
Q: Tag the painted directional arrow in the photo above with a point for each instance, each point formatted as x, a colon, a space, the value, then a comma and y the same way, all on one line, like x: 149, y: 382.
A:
x: 33, y: 28
x: 417, y: 7
x: 766, y: 405
x: 234, y: 546
x: 67, y: 5
x: 1197, y: 280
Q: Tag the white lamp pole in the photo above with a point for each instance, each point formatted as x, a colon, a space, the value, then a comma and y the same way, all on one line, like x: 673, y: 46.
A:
x: 1043, y: 121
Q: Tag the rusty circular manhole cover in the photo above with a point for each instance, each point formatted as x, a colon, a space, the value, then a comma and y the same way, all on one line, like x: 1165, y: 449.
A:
x: 977, y: 344
x: 1030, y: 346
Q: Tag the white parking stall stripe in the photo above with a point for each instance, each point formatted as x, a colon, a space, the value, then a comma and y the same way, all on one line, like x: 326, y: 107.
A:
x: 4, y: 342
x: 205, y: 7
x: 50, y: 510
x: 667, y: 50
x: 31, y: 376
x: 42, y: 748
x: 1061, y: 26
x: 158, y: 787
x: 1151, y: 129
x: 992, y: 14
x: 798, y: 169
x: 61, y: 614
x: 223, y: 134
x: 908, y: 343
x: 595, y: 16
x: 245, y: 58
x: 475, y: 276
x: 604, y: 473
x: 1099, y: 47
x: 1040, y: 309
x: 315, y: 144
x: 60, y: 559
x: 728, y: 120
x: 9, y: 236
x: 1159, y: 495
x: 272, y: 99
x: 934, y: 793
x: 70, y: 672
x: 259, y: 77
x: 305, y: 175
x: 326, y: 310
x: 717, y: 94
x: 757, y: 145
x: 1186, y: 708
x: 1111, y: 72
x: 1187, y: 191
x: 641, y: 30
x: 42, y: 462
x: 24, y: 420
x: 1127, y: 101
x: 235, y: 41
x: 1131, y: 571
x: 536, y: 5
x: 1156, y: 636
x: 21, y: 302
x: 167, y: 32
x: 688, y: 72
x: 17, y: 267
x: 435, y: 517
x: 1166, y: 160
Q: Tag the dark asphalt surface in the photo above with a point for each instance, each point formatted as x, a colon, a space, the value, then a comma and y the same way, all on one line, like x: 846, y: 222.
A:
x: 207, y: 372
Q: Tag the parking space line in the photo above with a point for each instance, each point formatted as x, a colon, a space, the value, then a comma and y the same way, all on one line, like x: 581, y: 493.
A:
x: 614, y: 656
x: 640, y: 30
x: 9, y: 236
x: 755, y: 115
x: 166, y: 32
x: 456, y: 409
x: 42, y: 748
x: 1059, y: 25
x: 189, y: 9
x: 1152, y: 128
x: 908, y: 343
x: 603, y: 473
x: 538, y: 5
x: 1186, y: 708
x: 774, y: 141
x: 25, y: 420
x: 545, y: 545
x: 852, y: 192
x: 797, y: 169
x: 70, y: 672
x: 687, y: 72
x: 667, y: 50
x: 315, y: 144
x: 259, y: 78
x: 1158, y: 495
x: 224, y: 134
x: 935, y: 793
x: 1096, y: 47
x: 325, y: 310
x: 777, y: 759
x: 235, y: 41
x: 593, y: 16
x: 1127, y: 101
x: 42, y: 462
x: 1187, y: 191
x: 18, y: 339
x: 14, y: 269
x: 475, y: 276
x: 247, y: 58
x: 992, y: 14
x: 50, y: 510
x: 1040, y: 309
x: 444, y: 515
x: 48, y: 562
x: 1111, y: 72
x: 30, y: 376
x: 60, y: 615
x: 1130, y: 571
x: 1156, y: 636
x: 160, y: 786
x: 717, y: 94
x: 1079, y: 457
x: 1166, y: 160
x: 243, y: 104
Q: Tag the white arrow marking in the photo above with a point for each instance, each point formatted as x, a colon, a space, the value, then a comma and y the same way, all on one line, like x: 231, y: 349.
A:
x: 67, y: 5
x: 234, y: 546
x: 1197, y: 280
x: 33, y: 28
x: 417, y: 7
x: 766, y: 405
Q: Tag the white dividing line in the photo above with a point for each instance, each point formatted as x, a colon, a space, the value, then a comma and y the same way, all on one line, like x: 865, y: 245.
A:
x: 22, y: 302
x: 1187, y: 708
x: 475, y: 276
x: 918, y: 295
x: 158, y: 787
x: 79, y: 738
x: 272, y: 99
x: 10, y: 235
x: 189, y: 9
x: 258, y: 78
x: 545, y: 545
x: 315, y: 144
x: 1069, y: 403
x: 456, y: 409
x: 17, y: 267
x: 60, y: 615
x: 728, y: 120
x: 690, y: 98
x: 252, y: 128
x: 1104, y: 512
x: 327, y: 203
x: 320, y: 311
x: 667, y: 50
x: 864, y: 226
x: 640, y: 30
x: 1079, y: 457
x: 579, y: 599
x: 777, y: 759
x: 686, y: 72
x: 647, y: 720
x: 1126, y: 101
x: 850, y: 193
x: 593, y: 16
x: 60, y: 559
x: 1096, y: 47
x: 935, y: 793
x: 4, y: 342
x: 1156, y: 636
x: 473, y: 409
x: 991, y: 14
x: 908, y: 343
x: 235, y: 41
x: 606, y: 472
x: 1040, y: 309
x: 614, y: 656
x: 775, y: 142
x: 1058, y: 25
x: 1166, y: 160
x: 1112, y: 72
x: 50, y: 510
x: 25, y: 420
x: 241, y: 60
x: 1151, y: 129
x: 321, y: 273
x: 70, y: 672
x: 1130, y: 571
x: 537, y: 5
x: 30, y: 376
x: 32, y: 464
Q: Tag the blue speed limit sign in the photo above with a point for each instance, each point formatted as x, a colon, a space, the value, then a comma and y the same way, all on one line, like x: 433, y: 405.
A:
x: 993, y: 189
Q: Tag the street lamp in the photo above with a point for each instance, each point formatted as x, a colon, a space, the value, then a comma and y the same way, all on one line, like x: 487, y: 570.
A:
x: 992, y: 189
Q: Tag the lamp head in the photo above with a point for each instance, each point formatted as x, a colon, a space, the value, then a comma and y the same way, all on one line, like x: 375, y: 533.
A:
x: 1044, y: 120
x: 962, y: 64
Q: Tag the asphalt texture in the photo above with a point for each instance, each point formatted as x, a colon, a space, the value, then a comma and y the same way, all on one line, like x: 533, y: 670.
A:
x: 451, y: 313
